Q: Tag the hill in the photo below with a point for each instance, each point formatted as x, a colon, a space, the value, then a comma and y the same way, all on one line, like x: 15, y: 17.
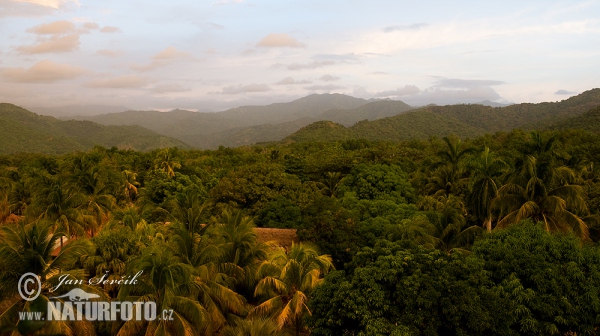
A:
x: 463, y: 120
x: 76, y: 110
x: 251, y: 124
x: 25, y: 131
x: 589, y: 121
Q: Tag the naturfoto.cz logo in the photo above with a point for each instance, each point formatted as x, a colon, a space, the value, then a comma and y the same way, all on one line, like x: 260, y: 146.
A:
x: 79, y: 305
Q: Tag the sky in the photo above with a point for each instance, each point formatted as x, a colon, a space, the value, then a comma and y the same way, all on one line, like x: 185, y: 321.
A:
x: 217, y: 54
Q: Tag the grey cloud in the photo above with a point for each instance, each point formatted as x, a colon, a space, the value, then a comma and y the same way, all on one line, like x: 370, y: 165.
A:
x: 565, y: 92
x: 405, y: 91
x: 248, y: 88
x: 328, y: 87
x: 465, y: 83
x: 414, y: 26
x: 337, y: 57
x: 292, y: 81
x: 329, y: 78
x: 311, y: 65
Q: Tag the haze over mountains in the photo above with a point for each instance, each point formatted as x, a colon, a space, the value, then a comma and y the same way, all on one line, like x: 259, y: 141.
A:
x: 325, y: 117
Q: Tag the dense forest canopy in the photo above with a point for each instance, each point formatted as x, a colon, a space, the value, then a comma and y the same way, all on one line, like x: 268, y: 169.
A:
x: 495, y: 234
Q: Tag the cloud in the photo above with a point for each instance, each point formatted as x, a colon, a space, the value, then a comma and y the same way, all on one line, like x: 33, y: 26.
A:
x: 414, y: 26
x: 110, y: 29
x: 248, y: 88
x: 120, y: 82
x: 167, y: 88
x: 328, y: 87
x: 43, y: 72
x: 91, y: 26
x: 465, y: 83
x: 109, y: 53
x: 53, y: 44
x: 345, y: 58
x: 163, y: 58
x: 379, y: 73
x: 565, y: 92
x: 225, y: 2
x: 55, y: 4
x: 57, y: 27
x: 405, y: 91
x: 292, y: 81
x: 279, y: 40
x: 311, y: 65
x: 170, y: 53
x: 329, y: 78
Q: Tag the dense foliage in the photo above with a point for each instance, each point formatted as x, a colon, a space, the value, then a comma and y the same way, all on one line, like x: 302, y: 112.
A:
x: 492, y: 235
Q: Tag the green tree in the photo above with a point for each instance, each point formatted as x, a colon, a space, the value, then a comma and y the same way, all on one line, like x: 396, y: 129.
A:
x: 287, y: 281
x: 485, y: 181
x: 168, y: 282
x: 167, y: 160
x: 32, y: 248
x: 544, y: 193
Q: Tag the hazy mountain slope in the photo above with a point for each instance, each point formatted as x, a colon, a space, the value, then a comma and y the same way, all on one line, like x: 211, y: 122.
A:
x: 462, y: 120
x: 184, y: 125
x: 370, y: 111
x: 76, y: 110
x: 589, y: 121
x: 237, y: 126
x: 309, y: 106
x: 25, y: 131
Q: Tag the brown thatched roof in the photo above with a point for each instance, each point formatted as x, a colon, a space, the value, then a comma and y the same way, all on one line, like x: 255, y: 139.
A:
x: 282, y: 237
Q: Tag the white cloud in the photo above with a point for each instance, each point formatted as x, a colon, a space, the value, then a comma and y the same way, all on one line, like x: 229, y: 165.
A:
x: 57, y: 27
x: 405, y: 91
x: 300, y: 66
x: 55, y: 4
x: 329, y: 78
x: 248, y: 88
x: 292, y: 81
x: 328, y: 87
x: 164, y: 57
x: 109, y: 53
x: 43, y: 72
x: 110, y: 29
x: 169, y: 88
x: 120, y: 82
x: 279, y: 40
x: 53, y: 44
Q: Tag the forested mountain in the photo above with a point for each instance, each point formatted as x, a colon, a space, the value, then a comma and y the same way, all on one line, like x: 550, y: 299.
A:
x: 25, y: 131
x: 589, y: 121
x: 252, y: 124
x: 76, y: 110
x: 462, y: 120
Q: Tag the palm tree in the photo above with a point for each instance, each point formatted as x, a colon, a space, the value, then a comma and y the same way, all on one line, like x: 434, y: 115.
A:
x: 544, y: 193
x: 99, y: 200
x: 453, y: 155
x: 57, y: 202
x: 445, y: 227
x: 32, y: 248
x: 212, y: 278
x: 131, y: 186
x: 168, y: 282
x: 486, y: 172
x: 166, y: 161
x: 331, y: 182
x: 188, y: 208
x: 287, y: 281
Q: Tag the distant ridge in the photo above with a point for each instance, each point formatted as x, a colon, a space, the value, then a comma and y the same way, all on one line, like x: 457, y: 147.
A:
x: 25, y: 131
x: 463, y: 120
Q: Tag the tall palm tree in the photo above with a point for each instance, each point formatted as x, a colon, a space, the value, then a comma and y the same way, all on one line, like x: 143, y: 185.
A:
x: 167, y: 161
x: 131, y: 185
x: 188, y: 208
x: 287, y: 281
x: 168, y: 282
x: 98, y: 198
x: 485, y: 178
x: 56, y: 201
x: 445, y: 228
x: 214, y: 279
x: 544, y: 193
x: 31, y: 248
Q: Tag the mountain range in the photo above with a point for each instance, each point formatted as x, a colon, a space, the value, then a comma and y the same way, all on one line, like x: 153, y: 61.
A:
x: 25, y: 131
x: 326, y: 117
